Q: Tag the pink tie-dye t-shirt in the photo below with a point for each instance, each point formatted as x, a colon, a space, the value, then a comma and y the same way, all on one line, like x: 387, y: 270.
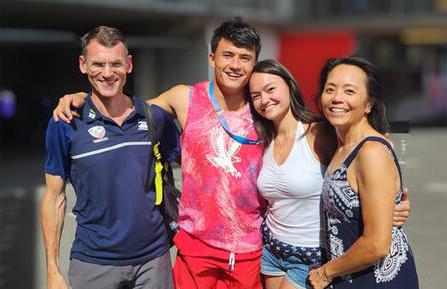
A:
x: 220, y: 203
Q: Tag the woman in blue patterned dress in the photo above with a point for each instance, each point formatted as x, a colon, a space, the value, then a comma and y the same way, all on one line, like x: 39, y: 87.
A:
x: 361, y: 186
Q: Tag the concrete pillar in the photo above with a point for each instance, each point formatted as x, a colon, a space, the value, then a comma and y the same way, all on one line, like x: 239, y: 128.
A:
x: 145, y: 74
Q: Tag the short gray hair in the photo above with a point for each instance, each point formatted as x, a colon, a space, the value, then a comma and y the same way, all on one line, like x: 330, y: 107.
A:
x: 106, y: 36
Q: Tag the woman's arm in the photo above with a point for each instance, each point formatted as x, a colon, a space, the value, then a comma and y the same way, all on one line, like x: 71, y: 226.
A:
x: 374, y: 176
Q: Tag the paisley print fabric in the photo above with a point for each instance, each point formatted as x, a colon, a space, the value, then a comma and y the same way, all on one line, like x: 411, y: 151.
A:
x: 343, y: 226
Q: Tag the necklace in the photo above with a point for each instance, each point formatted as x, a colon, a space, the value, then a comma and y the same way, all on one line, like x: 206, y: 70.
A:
x: 283, y: 146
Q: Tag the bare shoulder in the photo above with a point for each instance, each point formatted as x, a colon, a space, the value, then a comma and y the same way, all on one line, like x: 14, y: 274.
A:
x: 174, y: 101
x: 375, y: 155
x: 374, y: 168
x: 323, y: 140
x: 177, y: 91
x: 172, y: 95
x: 371, y: 148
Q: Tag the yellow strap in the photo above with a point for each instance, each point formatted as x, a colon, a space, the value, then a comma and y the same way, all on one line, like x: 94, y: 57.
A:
x: 157, y: 151
x: 158, y: 178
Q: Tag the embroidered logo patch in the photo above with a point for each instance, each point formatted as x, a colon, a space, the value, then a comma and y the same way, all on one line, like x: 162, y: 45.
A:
x: 97, y: 131
x: 142, y: 125
x: 91, y: 113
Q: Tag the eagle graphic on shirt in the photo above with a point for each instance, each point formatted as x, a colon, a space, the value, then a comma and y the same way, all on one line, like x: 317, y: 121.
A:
x: 225, y: 153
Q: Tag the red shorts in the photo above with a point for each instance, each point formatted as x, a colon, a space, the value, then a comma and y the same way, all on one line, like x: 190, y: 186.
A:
x: 200, y: 266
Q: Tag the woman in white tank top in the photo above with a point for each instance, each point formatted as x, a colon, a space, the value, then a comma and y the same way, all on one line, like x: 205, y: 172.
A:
x: 298, y: 147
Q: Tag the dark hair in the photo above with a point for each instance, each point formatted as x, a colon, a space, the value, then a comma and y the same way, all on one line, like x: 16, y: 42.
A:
x: 106, y: 36
x: 300, y: 110
x: 238, y: 32
x: 377, y: 117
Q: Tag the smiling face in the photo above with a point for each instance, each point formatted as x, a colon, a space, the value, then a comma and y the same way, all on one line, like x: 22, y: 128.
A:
x: 232, y: 66
x: 106, y: 68
x: 270, y: 95
x: 345, y: 98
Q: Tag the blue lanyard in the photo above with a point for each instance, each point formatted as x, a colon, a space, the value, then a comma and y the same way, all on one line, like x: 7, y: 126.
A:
x: 223, y: 121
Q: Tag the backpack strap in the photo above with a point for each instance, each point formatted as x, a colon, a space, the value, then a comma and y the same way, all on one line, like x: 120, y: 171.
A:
x: 156, y: 152
x: 354, y: 152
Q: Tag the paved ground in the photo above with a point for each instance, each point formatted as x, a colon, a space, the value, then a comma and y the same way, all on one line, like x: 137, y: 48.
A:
x: 22, y: 259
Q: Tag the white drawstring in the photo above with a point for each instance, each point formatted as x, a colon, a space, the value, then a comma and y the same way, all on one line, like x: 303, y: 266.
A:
x: 231, y: 262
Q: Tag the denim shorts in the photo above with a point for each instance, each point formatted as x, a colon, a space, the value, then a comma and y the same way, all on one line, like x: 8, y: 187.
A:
x: 295, y: 272
x: 305, y: 255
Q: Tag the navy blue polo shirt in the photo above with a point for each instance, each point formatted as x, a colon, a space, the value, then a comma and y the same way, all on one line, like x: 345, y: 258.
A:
x: 108, y: 166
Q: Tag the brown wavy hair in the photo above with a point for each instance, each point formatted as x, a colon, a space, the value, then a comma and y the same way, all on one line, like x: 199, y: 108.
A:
x: 300, y: 110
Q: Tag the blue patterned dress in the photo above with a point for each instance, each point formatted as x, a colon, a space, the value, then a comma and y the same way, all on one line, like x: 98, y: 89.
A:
x: 342, y: 219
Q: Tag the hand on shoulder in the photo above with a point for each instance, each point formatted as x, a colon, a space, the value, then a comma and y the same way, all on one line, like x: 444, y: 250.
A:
x: 64, y: 110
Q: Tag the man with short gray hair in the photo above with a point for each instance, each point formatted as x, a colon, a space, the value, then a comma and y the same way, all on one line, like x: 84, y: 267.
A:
x: 121, y: 240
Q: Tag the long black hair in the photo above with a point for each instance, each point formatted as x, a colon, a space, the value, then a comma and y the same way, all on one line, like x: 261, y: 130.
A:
x: 300, y: 110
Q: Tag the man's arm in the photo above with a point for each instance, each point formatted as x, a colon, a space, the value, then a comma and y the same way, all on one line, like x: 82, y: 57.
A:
x: 52, y: 210
x: 174, y: 101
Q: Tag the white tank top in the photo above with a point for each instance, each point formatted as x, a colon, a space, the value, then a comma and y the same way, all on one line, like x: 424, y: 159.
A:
x: 293, y: 191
